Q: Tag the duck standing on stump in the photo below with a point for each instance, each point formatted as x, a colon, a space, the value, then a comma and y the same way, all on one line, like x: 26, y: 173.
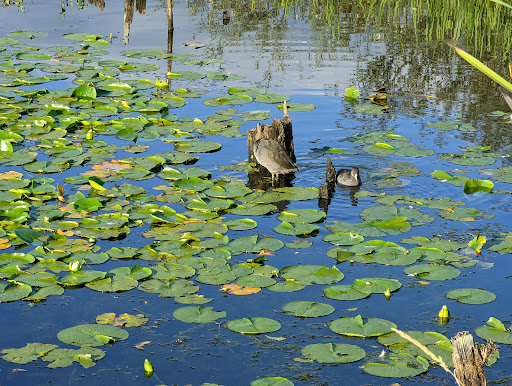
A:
x: 346, y: 177
x: 273, y: 157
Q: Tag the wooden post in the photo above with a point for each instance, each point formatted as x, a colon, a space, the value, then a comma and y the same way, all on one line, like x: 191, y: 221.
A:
x: 469, y: 359
x: 326, y: 190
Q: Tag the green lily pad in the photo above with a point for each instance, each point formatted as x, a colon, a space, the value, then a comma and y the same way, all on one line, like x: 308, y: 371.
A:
x: 432, y: 272
x: 286, y: 228
x: 255, y: 281
x: 252, y: 326
x: 474, y: 185
x: 185, y: 75
x: 301, y: 216
x: 31, y: 352
x: 12, y: 291
x: 333, y: 353
x: 306, y: 309
x: 376, y: 285
x: 495, y: 332
x: 271, y: 98
x: 125, y: 320
x: 115, y: 284
x: 471, y: 295
x: 345, y: 292
x: 27, y: 34
x: 397, y: 366
x: 298, y: 107
x: 237, y: 99
x: 82, y: 277
x: 198, y: 314
x: 92, y: 335
x: 197, y: 146
x: 272, y: 381
x: 343, y: 238
x: 359, y: 327
x: 311, y: 274
x: 64, y: 357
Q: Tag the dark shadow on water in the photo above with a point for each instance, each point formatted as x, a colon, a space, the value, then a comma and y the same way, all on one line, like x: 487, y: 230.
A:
x: 352, y: 190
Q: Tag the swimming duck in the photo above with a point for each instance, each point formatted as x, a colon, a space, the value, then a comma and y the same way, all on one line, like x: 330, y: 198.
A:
x: 273, y: 157
x: 346, y: 177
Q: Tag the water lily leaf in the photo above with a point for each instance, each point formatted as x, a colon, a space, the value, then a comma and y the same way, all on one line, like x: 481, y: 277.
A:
x: 87, y: 204
x: 31, y: 352
x: 471, y: 295
x: 287, y: 286
x: 44, y: 292
x: 12, y: 291
x: 255, y: 325
x: 198, y: 314
x: 298, y: 107
x: 370, y: 109
x: 469, y: 158
x: 241, y: 224
x: 463, y: 214
x: 192, y: 299
x: 255, y: 281
x: 397, y: 366
x: 251, y: 91
x: 495, y: 332
x: 116, y: 284
x: 123, y: 320
x: 136, y: 272
x: 253, y: 244
x: 92, y: 335
x: 343, y: 238
x: 345, y: 292
x: 306, y: 309
x: 452, y: 125
x: 376, y: 285
x: 311, y: 274
x: 299, y: 244
x: 223, y: 76
x: 286, y: 228
x: 85, y: 92
x: 252, y: 209
x: 259, y: 115
x: 272, y: 381
x: 237, y: 99
x: 474, y: 185
x: 271, y: 98
x: 333, y: 353
x: 193, y: 184
x: 64, y: 357
x: 432, y: 272
x: 228, y: 191
x: 138, y: 67
x: 301, y: 216
x: 27, y: 34
x: 447, y: 177
x: 81, y: 277
x: 185, y: 75
x: 388, y: 212
x: 197, y: 146
x: 359, y: 327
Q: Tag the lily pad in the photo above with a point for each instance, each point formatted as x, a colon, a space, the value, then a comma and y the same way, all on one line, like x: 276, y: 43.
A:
x: 29, y: 353
x: 363, y: 328
x: 311, y: 274
x: 64, y: 357
x: 198, y: 314
x: 345, y: 292
x: 495, y: 331
x: 397, y: 366
x: 333, y: 353
x: 471, y: 295
x: 92, y: 335
x: 307, y: 309
x: 252, y: 326
x: 432, y: 272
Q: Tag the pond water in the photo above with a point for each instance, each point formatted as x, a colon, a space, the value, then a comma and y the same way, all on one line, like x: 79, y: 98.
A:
x: 442, y: 118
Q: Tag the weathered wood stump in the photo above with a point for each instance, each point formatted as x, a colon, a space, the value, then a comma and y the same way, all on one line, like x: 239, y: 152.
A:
x: 327, y: 189
x: 469, y: 359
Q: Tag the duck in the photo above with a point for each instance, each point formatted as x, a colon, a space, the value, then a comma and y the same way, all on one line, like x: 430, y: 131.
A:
x: 346, y: 177
x: 271, y: 155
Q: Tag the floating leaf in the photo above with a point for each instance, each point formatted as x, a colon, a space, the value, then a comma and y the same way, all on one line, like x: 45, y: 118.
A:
x: 198, y: 314
x: 64, y: 357
x: 92, y: 335
x: 311, y: 274
x: 333, y: 353
x: 357, y: 326
x: 29, y: 353
x: 306, y: 309
x: 432, y: 272
x: 471, y: 295
x: 255, y: 325
x: 397, y: 366
x: 345, y: 292
x: 474, y: 185
x: 495, y: 332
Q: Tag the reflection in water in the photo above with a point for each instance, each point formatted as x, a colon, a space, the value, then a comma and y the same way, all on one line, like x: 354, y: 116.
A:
x: 226, y: 18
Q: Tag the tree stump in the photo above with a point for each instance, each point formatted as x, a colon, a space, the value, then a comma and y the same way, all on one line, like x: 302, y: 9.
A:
x: 469, y: 359
x: 327, y: 189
